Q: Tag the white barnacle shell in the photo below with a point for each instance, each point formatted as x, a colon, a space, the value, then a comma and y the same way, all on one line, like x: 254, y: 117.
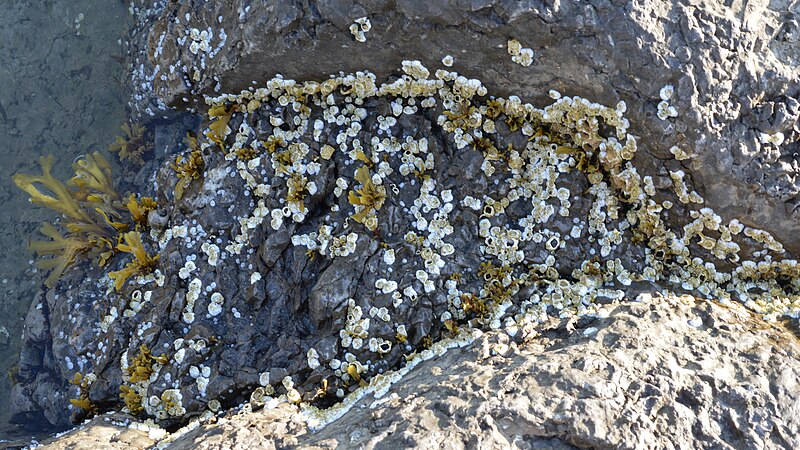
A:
x: 666, y: 92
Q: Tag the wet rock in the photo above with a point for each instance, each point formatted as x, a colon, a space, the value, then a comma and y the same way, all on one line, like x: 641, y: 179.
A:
x: 36, y: 326
x: 5, y: 337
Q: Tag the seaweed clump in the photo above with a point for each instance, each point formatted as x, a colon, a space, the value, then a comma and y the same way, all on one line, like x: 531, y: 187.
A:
x: 83, y: 402
x: 92, y: 214
x: 141, y: 264
x: 367, y: 199
x: 218, y: 130
x: 189, y: 168
x: 138, y: 374
x: 133, y: 145
x: 140, y: 210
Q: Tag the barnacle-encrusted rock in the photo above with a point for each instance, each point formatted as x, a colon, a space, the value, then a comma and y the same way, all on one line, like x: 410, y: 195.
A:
x: 324, y: 236
x: 734, y: 71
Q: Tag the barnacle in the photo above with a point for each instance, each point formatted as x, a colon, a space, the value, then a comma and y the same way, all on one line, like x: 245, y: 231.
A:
x: 171, y: 402
x: 133, y: 145
x: 273, y: 143
x: 585, y: 161
x: 218, y: 130
x: 141, y: 264
x: 401, y: 338
x: 368, y: 198
x: 187, y: 170
x: 499, y: 283
x: 464, y: 115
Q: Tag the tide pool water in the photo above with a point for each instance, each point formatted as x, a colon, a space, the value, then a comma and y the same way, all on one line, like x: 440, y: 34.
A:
x: 62, y: 92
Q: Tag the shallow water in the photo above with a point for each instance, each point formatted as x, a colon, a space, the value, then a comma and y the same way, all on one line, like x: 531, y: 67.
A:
x: 61, y: 93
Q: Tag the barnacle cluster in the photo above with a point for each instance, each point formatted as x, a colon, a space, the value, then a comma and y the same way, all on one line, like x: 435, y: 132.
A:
x: 520, y: 254
x: 137, y: 376
x: 558, y: 216
x: 665, y: 110
x: 519, y: 54
x: 91, y: 212
x: 359, y: 29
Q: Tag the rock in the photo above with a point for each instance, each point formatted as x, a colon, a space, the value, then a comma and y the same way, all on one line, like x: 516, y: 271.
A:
x: 113, y: 431
x: 725, y: 66
x: 5, y: 337
x: 645, y: 378
x: 339, y: 226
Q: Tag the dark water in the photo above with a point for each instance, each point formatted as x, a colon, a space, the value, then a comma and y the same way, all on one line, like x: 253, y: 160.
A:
x: 61, y: 93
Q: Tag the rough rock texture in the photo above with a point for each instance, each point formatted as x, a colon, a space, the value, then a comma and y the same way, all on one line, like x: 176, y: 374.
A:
x: 734, y: 68
x: 658, y: 373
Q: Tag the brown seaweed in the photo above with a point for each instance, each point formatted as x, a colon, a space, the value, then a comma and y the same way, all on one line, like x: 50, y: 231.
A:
x: 141, y: 264
x: 91, y: 213
x: 133, y: 145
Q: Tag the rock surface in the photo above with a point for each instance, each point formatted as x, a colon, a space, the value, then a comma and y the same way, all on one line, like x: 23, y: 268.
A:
x: 657, y: 373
